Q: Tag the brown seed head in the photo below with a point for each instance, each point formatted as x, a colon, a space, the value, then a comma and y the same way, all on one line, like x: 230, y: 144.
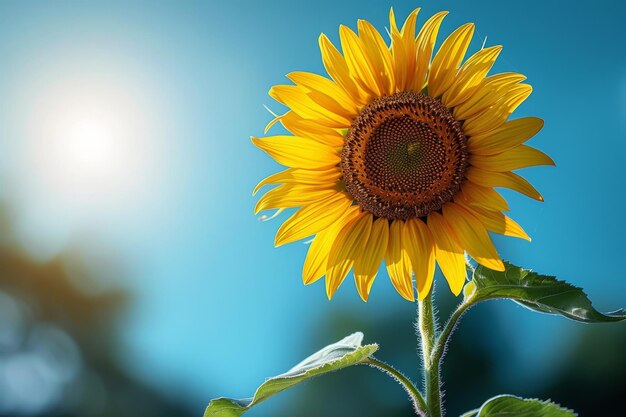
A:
x: 404, y: 156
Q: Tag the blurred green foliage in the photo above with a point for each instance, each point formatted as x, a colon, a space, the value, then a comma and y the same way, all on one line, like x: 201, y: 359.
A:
x: 59, y: 345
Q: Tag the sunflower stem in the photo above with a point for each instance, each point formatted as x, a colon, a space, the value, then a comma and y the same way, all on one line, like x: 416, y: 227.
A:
x: 428, y: 337
x: 416, y: 396
x: 442, y: 341
x: 444, y: 337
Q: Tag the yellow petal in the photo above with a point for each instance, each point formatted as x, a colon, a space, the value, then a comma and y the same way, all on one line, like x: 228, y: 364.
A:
x: 425, y: 44
x: 322, y: 85
x: 368, y: 261
x: 447, y: 60
x: 420, y: 249
x: 519, y: 157
x: 495, y: 116
x: 317, y: 257
x: 403, y: 49
x: 358, y: 64
x: 398, y: 263
x: 312, y: 219
x: 392, y: 22
x: 450, y: 255
x: 497, y: 222
x: 502, y: 179
x: 311, y: 129
x: 271, y: 123
x: 472, y: 236
x: 298, y: 152
x: 347, y: 246
x: 303, y: 103
x: 470, y: 76
x: 315, y: 263
x: 408, y: 28
x: 476, y: 195
x: 378, y: 56
x: 292, y: 195
x: 324, y: 178
x: 337, y: 68
x: 507, y: 136
x: 490, y: 91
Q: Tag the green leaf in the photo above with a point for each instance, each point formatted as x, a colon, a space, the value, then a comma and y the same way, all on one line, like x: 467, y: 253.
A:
x: 509, y: 405
x: 541, y: 293
x: 344, y: 353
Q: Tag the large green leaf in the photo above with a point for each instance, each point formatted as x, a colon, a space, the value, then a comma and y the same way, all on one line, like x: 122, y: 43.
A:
x: 541, y: 293
x: 509, y: 405
x: 344, y: 353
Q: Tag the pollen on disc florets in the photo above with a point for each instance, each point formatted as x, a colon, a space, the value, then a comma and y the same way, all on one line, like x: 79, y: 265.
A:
x: 404, y: 156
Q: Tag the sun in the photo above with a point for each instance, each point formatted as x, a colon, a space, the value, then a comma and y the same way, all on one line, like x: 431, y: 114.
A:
x: 89, y: 156
x: 84, y: 154
x: 90, y: 146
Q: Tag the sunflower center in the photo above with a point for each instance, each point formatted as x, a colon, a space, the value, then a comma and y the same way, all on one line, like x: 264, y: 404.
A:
x: 404, y: 156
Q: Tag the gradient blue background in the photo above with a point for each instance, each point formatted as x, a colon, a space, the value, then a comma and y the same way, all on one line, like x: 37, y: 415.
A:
x: 216, y: 308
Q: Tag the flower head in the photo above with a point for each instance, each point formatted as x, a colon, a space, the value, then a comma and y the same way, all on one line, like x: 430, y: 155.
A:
x: 395, y: 157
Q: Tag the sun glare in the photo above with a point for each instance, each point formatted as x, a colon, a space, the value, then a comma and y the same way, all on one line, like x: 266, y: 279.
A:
x: 90, y: 146
x: 90, y: 154
x: 90, y: 149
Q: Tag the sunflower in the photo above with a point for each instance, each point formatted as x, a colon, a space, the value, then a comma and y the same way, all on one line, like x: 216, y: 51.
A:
x: 395, y: 157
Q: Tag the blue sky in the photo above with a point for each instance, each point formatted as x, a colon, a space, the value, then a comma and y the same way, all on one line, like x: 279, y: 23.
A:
x: 189, y: 81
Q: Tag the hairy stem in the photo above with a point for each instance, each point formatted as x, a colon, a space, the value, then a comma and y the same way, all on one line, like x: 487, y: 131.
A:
x: 418, y: 400
x: 426, y: 327
x: 442, y: 341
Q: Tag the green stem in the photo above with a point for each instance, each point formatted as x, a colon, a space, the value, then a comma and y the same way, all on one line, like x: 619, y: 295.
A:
x: 418, y: 400
x: 440, y: 347
x: 426, y: 326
